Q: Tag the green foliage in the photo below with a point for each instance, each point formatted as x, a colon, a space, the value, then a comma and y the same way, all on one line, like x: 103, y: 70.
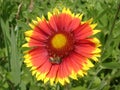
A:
x: 14, y: 18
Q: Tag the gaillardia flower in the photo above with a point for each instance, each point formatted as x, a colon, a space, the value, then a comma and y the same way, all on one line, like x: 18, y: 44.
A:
x: 61, y: 46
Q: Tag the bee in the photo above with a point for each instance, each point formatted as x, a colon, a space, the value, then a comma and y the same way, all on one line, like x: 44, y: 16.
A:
x: 55, y: 60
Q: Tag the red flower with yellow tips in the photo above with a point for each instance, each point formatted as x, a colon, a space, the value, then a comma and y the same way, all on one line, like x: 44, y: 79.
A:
x: 61, y: 46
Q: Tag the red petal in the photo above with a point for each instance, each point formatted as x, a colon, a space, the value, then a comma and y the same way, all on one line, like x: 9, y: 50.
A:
x: 63, y: 70
x: 78, y: 58
x: 66, y: 67
x: 83, y: 32
x: 38, y: 35
x: 38, y: 56
x: 37, y: 38
x: 64, y: 21
x: 45, y: 68
x: 84, y: 47
x: 75, y: 62
x: 53, y: 22
x: 74, y: 24
x: 44, y: 26
x: 53, y: 71
x: 60, y: 72
x: 34, y: 43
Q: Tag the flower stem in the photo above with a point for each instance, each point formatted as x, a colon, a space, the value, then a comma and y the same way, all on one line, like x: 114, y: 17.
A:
x: 111, y: 30
x: 113, y: 25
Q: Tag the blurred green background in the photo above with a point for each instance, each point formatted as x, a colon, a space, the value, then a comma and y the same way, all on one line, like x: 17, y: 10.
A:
x: 14, y: 18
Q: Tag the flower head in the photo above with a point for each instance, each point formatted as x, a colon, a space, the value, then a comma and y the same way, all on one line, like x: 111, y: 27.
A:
x: 62, y: 46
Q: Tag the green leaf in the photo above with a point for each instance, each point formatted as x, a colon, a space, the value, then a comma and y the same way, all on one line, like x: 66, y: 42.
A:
x: 34, y: 87
x: 111, y: 65
x: 14, y: 60
x: 5, y: 29
x: 96, y: 82
x: 23, y: 86
x: 79, y: 88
